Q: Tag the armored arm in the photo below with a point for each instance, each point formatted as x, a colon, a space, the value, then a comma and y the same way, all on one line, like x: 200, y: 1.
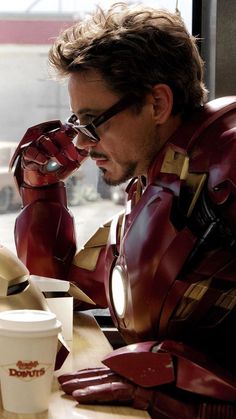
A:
x: 168, y: 378
x: 44, y: 229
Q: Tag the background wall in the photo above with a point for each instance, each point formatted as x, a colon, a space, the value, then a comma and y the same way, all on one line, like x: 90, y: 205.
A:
x: 28, y: 95
x: 218, y: 46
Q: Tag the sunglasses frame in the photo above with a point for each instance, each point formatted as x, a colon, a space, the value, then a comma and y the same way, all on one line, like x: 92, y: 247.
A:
x: 90, y: 129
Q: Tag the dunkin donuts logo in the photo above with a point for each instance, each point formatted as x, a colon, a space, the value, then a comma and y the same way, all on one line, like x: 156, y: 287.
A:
x: 26, y: 370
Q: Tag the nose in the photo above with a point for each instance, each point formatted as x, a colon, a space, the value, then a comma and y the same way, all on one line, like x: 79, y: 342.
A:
x: 84, y: 142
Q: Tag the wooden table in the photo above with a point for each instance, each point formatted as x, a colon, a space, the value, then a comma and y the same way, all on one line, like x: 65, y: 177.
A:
x: 88, y: 348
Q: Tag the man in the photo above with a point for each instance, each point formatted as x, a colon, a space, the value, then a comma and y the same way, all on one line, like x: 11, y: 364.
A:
x: 137, y: 96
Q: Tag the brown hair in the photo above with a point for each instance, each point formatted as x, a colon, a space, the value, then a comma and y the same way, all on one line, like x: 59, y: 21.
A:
x: 134, y: 48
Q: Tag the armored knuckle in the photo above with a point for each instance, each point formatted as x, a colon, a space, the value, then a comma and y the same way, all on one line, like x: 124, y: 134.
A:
x: 45, y: 155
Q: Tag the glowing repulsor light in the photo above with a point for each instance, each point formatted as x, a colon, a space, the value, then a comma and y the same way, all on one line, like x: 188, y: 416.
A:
x: 118, y: 290
x: 52, y: 166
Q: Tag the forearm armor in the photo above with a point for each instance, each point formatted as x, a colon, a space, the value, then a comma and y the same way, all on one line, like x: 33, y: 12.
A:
x: 44, y: 231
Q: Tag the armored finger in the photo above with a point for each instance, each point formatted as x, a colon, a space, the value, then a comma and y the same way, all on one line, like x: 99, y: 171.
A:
x: 80, y: 383
x: 113, y: 392
x: 87, y: 372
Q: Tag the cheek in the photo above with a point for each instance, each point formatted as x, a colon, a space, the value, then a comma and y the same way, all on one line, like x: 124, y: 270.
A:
x: 127, y: 137
x: 140, y: 136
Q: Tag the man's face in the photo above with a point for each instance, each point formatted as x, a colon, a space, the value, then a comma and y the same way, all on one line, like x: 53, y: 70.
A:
x: 128, y: 141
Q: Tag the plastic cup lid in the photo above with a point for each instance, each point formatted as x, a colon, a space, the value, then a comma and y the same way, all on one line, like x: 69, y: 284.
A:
x: 28, y: 320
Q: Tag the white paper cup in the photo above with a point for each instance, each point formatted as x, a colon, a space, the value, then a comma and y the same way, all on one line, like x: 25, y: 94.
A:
x: 28, y: 347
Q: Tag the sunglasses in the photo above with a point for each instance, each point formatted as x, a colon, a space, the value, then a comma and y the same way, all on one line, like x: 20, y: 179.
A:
x: 90, y: 129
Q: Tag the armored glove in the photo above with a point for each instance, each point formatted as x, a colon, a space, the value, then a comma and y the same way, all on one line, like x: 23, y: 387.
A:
x: 46, y: 154
x: 44, y: 232
x: 170, y: 380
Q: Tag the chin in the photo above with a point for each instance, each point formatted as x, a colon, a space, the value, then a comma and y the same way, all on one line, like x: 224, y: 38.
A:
x: 127, y: 174
x: 112, y: 182
x: 109, y: 180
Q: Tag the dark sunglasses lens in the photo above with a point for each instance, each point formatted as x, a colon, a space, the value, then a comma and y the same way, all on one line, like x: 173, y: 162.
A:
x: 89, y: 132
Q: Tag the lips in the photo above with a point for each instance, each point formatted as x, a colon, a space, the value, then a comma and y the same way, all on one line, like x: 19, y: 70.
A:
x: 101, y: 162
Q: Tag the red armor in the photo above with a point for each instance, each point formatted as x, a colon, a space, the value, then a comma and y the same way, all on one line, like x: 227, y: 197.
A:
x: 171, y: 259
x: 178, y: 242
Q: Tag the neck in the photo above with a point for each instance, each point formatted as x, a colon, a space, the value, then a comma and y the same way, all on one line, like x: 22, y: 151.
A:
x: 167, y: 129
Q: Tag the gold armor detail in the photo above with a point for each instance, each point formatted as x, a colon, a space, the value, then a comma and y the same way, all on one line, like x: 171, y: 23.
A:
x: 87, y: 257
x: 12, y: 273
x: 194, y: 293
x: 177, y: 163
x: 196, y: 183
x: 227, y: 300
x: 216, y: 311
x: 12, y: 270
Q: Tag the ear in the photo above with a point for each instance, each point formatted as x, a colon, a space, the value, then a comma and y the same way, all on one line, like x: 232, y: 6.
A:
x: 162, y: 100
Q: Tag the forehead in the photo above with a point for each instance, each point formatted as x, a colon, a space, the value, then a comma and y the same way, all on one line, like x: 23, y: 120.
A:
x: 87, y: 89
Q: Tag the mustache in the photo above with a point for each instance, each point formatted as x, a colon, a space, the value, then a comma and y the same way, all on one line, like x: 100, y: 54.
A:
x: 94, y: 154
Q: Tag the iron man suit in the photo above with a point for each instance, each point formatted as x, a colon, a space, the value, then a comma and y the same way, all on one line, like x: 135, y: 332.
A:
x: 166, y: 268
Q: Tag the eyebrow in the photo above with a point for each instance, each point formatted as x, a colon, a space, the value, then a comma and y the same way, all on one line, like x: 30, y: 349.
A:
x: 84, y: 111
